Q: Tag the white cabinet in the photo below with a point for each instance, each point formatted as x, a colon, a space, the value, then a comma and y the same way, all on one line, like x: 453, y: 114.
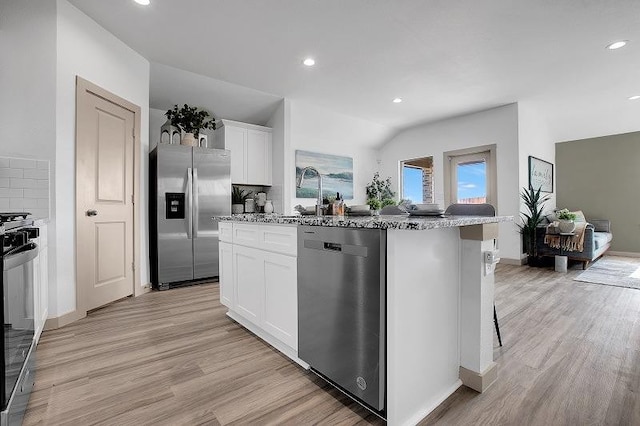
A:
x: 41, y: 282
x: 250, y: 148
x: 225, y: 230
x: 235, y: 140
x: 281, y: 297
x: 258, y: 157
x: 248, y: 282
x: 259, y: 283
x: 226, y: 274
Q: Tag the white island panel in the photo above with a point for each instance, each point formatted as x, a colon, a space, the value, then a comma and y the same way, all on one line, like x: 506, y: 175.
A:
x: 423, y: 349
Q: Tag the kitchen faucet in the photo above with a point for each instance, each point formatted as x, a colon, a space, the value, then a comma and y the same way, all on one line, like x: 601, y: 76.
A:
x: 319, y: 202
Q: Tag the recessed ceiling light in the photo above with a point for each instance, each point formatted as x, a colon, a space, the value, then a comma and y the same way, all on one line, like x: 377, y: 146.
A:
x: 634, y: 98
x: 143, y: 2
x: 309, y: 62
x: 397, y: 100
x: 617, y: 45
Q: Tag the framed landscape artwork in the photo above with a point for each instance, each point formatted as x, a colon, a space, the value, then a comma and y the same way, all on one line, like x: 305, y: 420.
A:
x: 336, y: 171
x: 540, y: 174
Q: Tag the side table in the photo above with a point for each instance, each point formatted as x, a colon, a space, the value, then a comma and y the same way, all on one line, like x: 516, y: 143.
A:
x: 561, y: 259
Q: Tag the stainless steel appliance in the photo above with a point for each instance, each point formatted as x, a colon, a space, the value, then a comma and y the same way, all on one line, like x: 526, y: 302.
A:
x: 342, y: 309
x: 18, y: 366
x: 187, y: 187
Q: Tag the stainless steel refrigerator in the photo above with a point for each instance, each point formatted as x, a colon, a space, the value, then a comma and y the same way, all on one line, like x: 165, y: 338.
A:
x: 187, y: 187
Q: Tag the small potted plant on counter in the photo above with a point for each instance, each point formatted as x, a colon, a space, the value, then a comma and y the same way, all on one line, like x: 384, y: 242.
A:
x: 238, y: 197
x: 379, y: 193
x: 190, y: 120
x: 534, y: 204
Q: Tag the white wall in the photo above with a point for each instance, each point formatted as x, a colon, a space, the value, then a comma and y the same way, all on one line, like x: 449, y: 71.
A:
x: 534, y: 139
x: 88, y: 50
x: 28, y: 88
x: 321, y: 130
x: 497, y: 126
x: 27, y: 78
x: 281, y: 142
x: 156, y: 120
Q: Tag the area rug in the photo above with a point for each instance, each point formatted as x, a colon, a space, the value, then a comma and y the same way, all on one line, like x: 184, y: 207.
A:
x: 609, y: 270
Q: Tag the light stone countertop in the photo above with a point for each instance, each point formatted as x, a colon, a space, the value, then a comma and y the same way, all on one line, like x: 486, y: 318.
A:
x: 373, y: 222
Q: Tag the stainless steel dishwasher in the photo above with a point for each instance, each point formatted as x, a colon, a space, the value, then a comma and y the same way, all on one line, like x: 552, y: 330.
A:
x: 342, y: 309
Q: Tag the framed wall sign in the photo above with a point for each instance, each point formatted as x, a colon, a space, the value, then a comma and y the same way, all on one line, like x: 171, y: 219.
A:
x: 540, y: 174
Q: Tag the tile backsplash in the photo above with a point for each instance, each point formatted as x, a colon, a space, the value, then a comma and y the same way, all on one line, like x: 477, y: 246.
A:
x: 24, y: 186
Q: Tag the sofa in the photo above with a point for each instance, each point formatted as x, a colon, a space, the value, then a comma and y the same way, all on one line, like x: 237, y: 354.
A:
x: 597, y: 240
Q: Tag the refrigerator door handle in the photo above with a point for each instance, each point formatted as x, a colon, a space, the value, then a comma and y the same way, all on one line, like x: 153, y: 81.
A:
x: 189, y: 204
x: 196, y: 207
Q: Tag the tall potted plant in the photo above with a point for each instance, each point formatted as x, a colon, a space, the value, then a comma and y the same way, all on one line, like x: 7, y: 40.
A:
x: 190, y: 120
x: 534, y: 203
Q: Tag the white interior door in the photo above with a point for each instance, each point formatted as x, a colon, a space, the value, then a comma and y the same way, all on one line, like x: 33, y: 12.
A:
x: 104, y: 188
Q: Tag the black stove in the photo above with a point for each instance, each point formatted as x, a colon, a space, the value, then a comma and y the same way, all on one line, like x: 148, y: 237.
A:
x: 13, y: 216
x: 19, y: 251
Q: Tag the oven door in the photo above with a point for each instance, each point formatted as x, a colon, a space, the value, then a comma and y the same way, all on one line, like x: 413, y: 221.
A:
x: 18, y: 306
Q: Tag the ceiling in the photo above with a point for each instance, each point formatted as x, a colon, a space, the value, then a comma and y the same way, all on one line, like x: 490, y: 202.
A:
x: 170, y: 86
x: 443, y: 58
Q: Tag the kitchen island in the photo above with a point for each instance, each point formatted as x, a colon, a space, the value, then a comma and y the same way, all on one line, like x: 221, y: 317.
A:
x: 439, y: 297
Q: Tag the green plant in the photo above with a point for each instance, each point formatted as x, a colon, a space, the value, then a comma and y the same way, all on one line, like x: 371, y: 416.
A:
x: 190, y: 119
x: 379, y: 193
x: 534, y: 204
x: 565, y: 214
x: 238, y: 195
x: 374, y: 203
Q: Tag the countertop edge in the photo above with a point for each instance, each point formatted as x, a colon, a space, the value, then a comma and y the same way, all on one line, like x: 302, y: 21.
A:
x: 371, y: 222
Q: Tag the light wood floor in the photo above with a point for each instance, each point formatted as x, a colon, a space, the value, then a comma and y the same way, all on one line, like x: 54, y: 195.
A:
x: 571, y: 356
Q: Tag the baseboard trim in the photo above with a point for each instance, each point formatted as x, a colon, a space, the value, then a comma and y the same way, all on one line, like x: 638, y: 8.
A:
x: 623, y: 253
x: 73, y: 316
x: 143, y: 290
x: 517, y: 262
x: 62, y: 320
x: 479, y: 382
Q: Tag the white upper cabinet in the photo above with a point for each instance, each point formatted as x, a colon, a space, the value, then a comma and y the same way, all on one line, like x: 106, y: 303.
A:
x: 235, y: 140
x: 250, y: 148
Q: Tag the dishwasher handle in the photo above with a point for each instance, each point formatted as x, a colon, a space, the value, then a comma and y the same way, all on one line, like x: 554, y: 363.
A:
x: 332, y: 246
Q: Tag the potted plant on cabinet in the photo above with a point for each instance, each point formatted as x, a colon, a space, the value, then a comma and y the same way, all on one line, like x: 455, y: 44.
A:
x: 566, y: 220
x: 534, y: 203
x: 190, y: 120
x: 379, y: 193
x: 238, y: 197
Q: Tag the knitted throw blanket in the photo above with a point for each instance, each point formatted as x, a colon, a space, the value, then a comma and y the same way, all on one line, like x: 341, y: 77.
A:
x: 566, y: 243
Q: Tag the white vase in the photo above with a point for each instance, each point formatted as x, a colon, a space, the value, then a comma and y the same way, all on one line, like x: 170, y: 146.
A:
x: 268, y: 206
x: 566, y: 226
x: 189, y: 139
x: 237, y: 208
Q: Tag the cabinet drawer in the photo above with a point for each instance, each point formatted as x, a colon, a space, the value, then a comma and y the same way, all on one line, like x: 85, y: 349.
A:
x: 246, y: 234
x: 279, y: 239
x: 226, y: 231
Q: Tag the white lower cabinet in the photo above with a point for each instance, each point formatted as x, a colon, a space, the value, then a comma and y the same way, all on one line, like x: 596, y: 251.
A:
x: 248, y: 282
x: 41, y: 283
x: 281, y: 297
x: 226, y: 274
x: 260, y: 283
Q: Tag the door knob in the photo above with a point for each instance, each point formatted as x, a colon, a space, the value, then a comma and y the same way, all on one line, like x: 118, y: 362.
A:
x: 92, y: 213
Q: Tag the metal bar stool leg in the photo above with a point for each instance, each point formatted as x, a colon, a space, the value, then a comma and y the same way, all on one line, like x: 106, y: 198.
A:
x: 495, y: 322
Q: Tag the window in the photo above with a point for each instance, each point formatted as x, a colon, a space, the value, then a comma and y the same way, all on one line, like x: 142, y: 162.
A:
x: 417, y: 180
x: 471, y: 181
x: 470, y: 176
